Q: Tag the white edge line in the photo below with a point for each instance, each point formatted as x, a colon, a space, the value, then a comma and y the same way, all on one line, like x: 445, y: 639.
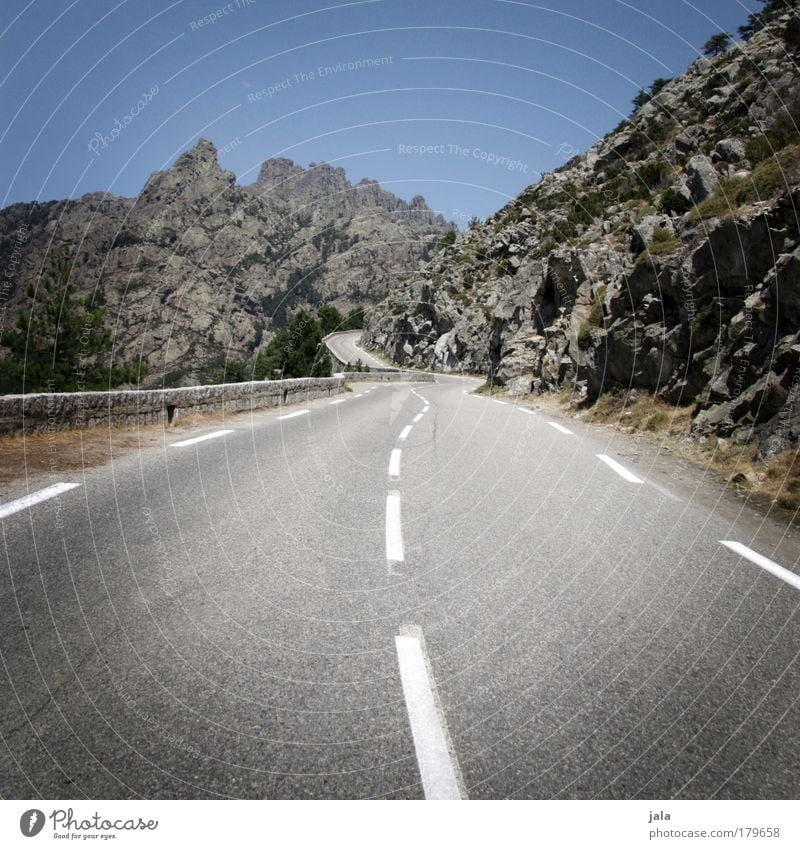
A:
x: 195, y: 439
x: 394, y: 463
x: 338, y: 401
x: 404, y: 433
x: 436, y: 768
x: 525, y: 410
x: 293, y: 415
x: 791, y: 578
x: 504, y: 403
x: 619, y: 469
x: 394, y: 535
x: 35, y: 498
x: 561, y: 429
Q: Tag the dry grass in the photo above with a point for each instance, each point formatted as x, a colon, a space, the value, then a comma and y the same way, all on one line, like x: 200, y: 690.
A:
x: 642, y: 413
x: 70, y: 450
x: 22, y: 456
x: 771, y: 483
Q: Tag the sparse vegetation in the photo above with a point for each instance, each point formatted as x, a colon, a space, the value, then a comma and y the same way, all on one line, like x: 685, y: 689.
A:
x: 594, y: 319
x: 58, y: 343
x: 357, y: 367
x: 767, y: 179
x: 449, y: 238
x: 672, y: 201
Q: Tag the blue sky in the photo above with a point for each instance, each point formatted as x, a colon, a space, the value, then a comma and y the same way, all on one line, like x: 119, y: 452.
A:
x: 463, y: 102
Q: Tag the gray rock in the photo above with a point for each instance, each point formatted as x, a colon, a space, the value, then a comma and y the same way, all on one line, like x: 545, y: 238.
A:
x: 702, y: 179
x: 730, y: 150
x: 642, y: 232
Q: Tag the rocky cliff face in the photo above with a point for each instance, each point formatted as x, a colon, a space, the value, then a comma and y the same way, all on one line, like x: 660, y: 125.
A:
x: 198, y: 268
x: 666, y: 258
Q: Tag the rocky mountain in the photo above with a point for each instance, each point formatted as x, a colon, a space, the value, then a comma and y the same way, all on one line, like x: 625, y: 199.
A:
x: 666, y: 258
x: 198, y: 268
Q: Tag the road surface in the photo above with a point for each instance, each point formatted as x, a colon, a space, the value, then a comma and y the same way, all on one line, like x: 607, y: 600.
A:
x: 409, y: 591
x: 346, y: 349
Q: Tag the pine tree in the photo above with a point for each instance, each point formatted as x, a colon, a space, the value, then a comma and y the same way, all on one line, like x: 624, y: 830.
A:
x: 717, y: 44
x: 57, y: 342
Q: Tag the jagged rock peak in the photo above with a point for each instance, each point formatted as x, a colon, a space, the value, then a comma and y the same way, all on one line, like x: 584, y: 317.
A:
x: 195, y: 173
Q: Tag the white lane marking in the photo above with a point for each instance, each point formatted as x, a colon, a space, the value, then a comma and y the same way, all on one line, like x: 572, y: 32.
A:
x: 394, y: 463
x: 525, y: 410
x: 504, y: 403
x: 791, y: 578
x: 394, y: 535
x: 436, y: 768
x: 294, y: 415
x: 417, y: 417
x: 184, y: 442
x: 664, y: 491
x: 35, y: 498
x: 338, y: 401
x: 404, y: 433
x: 619, y: 469
x: 560, y: 428
x: 426, y: 408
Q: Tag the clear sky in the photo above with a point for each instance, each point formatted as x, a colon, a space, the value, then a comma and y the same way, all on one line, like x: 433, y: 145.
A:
x: 462, y: 101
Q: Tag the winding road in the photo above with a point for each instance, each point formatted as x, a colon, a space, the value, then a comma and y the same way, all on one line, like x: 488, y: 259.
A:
x: 410, y: 591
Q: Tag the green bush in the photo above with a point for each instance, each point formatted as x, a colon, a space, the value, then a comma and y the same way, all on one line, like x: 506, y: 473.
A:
x: 783, y: 133
x: 767, y: 180
x: 297, y: 351
x: 449, y: 238
x: 650, y: 173
x: 664, y: 242
x: 593, y: 320
x: 673, y: 201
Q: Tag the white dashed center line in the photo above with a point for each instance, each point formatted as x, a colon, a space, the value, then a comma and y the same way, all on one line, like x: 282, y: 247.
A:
x: 35, y: 498
x: 436, y: 766
x: 338, y: 401
x: 504, y: 403
x: 394, y: 535
x: 394, y: 463
x: 294, y: 415
x: 417, y: 418
x: 619, y: 469
x: 560, y: 428
x: 184, y: 442
x: 404, y: 433
x: 791, y: 578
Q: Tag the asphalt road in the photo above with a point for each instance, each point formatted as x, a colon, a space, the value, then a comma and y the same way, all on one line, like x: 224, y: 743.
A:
x: 222, y: 619
x: 346, y: 348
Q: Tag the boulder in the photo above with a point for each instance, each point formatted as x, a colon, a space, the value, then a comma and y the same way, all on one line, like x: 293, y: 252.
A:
x: 702, y: 179
x: 730, y: 150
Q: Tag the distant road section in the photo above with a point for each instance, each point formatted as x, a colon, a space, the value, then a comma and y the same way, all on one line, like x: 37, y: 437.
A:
x: 344, y: 347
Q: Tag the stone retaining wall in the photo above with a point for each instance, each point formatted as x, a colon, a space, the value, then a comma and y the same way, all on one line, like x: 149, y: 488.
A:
x: 45, y: 413
x: 49, y: 412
